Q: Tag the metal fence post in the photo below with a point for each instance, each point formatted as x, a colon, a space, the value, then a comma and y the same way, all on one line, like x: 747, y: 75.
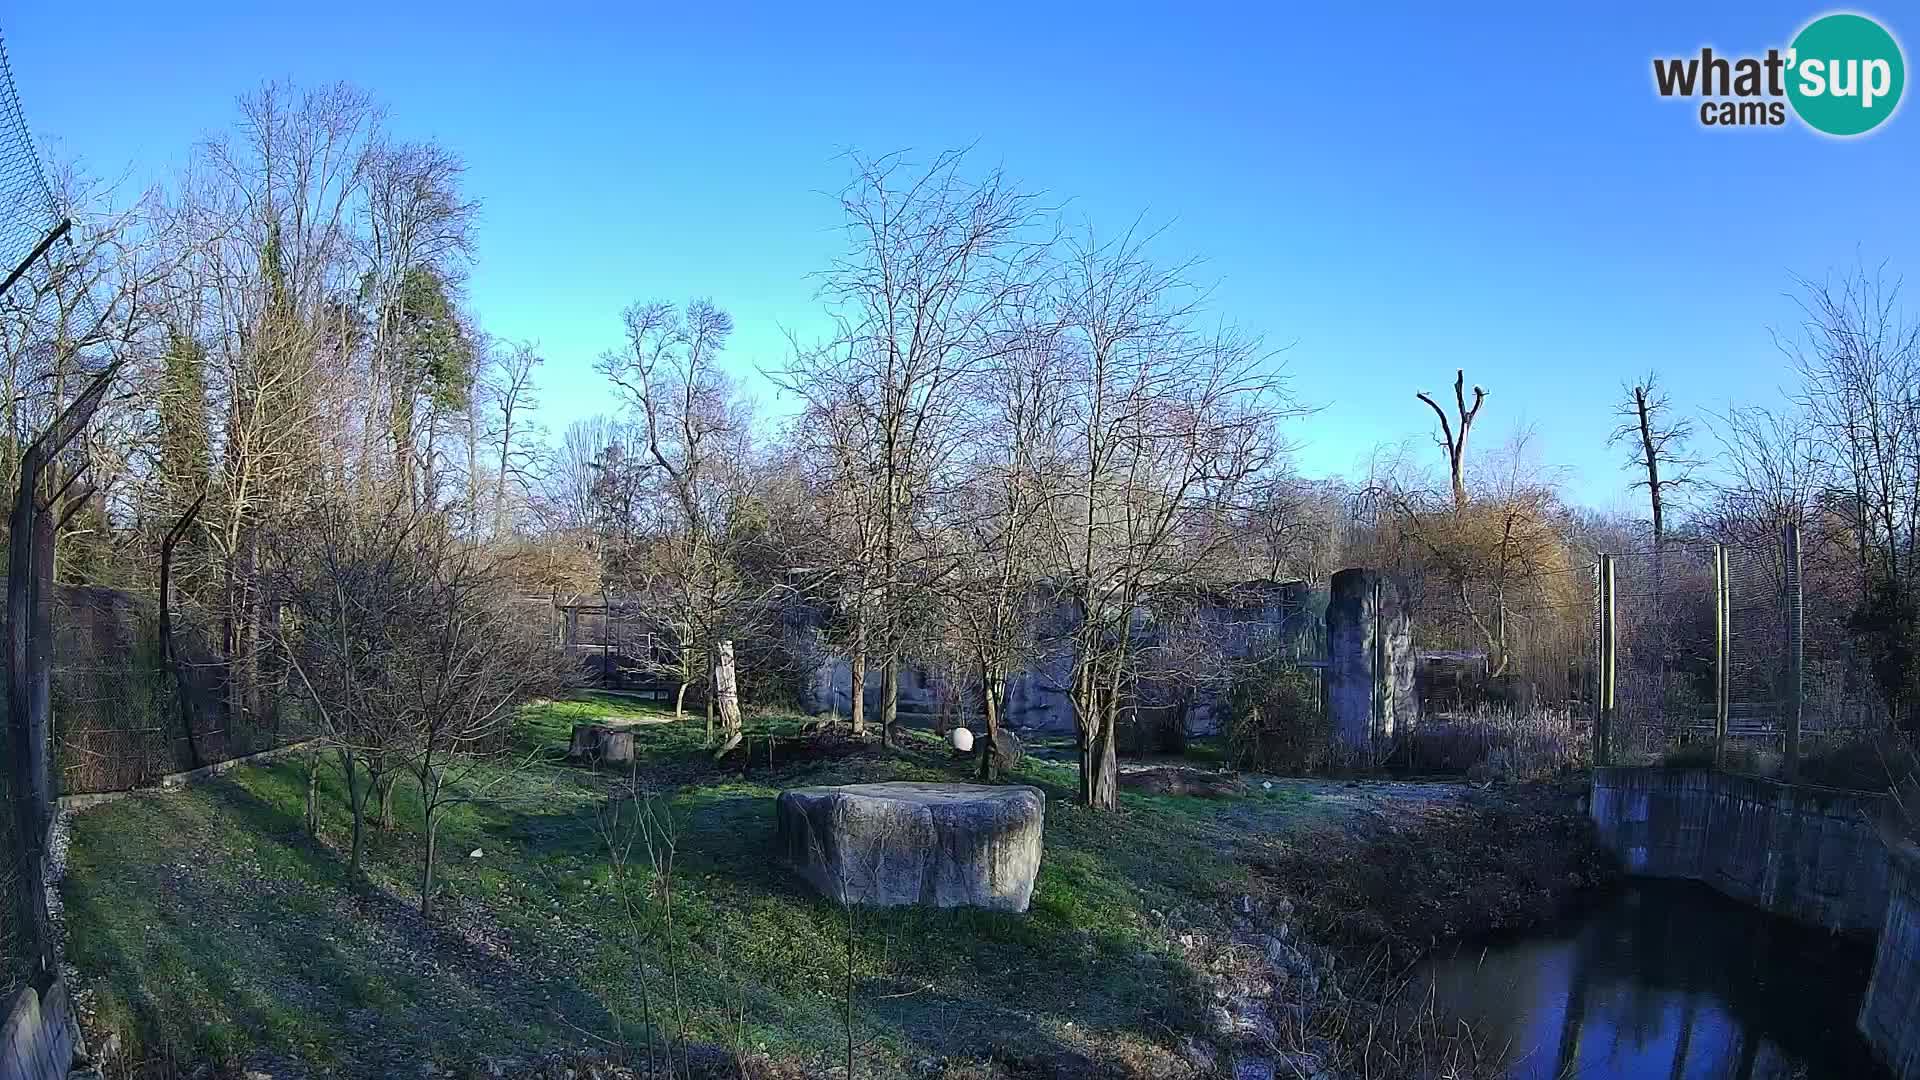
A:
x: 1722, y: 628
x: 1796, y: 651
x: 1609, y: 653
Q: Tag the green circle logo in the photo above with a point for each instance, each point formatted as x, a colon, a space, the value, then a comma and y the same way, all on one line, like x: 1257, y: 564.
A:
x: 1845, y: 74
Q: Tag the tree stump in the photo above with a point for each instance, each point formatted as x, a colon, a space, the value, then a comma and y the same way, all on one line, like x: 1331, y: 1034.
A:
x: 601, y: 743
x: 616, y: 746
x: 586, y: 741
x: 935, y: 845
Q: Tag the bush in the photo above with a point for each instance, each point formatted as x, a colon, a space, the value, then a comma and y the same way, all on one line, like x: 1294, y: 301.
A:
x: 1273, y: 721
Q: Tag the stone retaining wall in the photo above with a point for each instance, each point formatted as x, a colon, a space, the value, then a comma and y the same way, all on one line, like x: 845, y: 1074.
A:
x: 1811, y: 854
x: 1815, y: 855
x: 1890, y: 1013
x: 37, y: 1040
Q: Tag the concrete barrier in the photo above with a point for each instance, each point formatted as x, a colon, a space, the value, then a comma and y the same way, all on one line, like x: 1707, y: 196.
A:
x: 1890, y: 1013
x: 1814, y: 855
x: 175, y: 781
x: 1810, y: 854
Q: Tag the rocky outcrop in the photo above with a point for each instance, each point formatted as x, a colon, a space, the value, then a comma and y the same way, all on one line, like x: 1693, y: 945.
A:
x: 936, y: 845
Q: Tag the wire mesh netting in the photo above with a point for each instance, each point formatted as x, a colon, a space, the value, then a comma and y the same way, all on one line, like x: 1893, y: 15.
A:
x: 49, y: 316
x: 28, y: 210
x: 1664, y: 637
x: 40, y: 303
x: 1669, y: 663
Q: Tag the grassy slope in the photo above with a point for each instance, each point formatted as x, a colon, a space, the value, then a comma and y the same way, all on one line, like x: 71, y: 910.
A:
x: 207, y: 923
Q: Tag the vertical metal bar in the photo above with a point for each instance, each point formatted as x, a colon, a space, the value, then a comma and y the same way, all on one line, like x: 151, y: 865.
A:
x: 1796, y: 657
x: 1721, y: 627
x: 1598, y: 657
x: 1609, y: 656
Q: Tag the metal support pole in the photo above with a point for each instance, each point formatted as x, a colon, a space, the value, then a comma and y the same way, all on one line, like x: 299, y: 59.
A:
x: 1796, y: 653
x: 1722, y: 626
x: 1609, y: 654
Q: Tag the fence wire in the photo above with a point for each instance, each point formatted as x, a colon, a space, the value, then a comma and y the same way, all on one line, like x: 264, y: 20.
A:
x: 1668, y: 648
x: 49, y: 317
x: 1663, y: 634
x: 38, y: 307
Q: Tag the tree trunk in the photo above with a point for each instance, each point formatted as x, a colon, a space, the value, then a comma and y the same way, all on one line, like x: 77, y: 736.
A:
x: 680, y: 700
x: 169, y: 657
x: 1099, y: 764
x: 889, y: 696
x: 357, y: 803
x: 710, y: 696
x: 313, y: 796
x: 857, y: 705
x: 426, y: 870
x: 857, y: 677
x: 429, y: 801
x: 992, y: 691
x: 726, y: 689
x: 392, y: 780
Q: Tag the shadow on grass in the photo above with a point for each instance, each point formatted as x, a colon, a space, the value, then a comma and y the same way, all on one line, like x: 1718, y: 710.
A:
x: 216, y: 925
x: 940, y: 982
x: 262, y: 942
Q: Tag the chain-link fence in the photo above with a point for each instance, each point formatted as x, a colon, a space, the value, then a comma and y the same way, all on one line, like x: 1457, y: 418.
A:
x: 30, y: 220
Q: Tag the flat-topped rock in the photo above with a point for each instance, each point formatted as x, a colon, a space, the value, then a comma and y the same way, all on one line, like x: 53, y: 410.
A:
x: 936, y: 845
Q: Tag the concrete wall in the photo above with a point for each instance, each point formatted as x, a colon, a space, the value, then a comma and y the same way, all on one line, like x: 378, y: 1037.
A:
x: 1890, y: 1013
x: 1189, y: 639
x: 1810, y: 854
x: 1370, y: 692
x: 38, y: 1039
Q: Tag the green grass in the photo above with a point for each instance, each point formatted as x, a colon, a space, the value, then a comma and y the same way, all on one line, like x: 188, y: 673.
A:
x: 209, y: 925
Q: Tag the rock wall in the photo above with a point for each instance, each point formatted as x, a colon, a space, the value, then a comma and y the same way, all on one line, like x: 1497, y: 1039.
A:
x: 1890, y: 1013
x: 1810, y: 854
x: 38, y: 1039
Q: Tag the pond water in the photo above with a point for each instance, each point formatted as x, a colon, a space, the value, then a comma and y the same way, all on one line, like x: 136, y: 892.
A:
x: 1664, y: 979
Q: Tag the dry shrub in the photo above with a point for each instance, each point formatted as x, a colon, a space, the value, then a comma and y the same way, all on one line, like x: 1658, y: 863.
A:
x: 1495, y: 743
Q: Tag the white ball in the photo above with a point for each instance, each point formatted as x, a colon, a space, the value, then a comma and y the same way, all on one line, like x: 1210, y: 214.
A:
x: 962, y: 739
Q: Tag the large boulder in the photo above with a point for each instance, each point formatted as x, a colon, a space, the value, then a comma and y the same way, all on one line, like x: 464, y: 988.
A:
x: 936, y: 845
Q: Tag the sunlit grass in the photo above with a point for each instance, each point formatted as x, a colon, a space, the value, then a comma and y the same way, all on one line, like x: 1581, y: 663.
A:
x: 206, y: 920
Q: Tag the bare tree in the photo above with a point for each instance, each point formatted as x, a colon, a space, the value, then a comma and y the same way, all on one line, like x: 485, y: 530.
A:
x: 692, y: 423
x: 401, y: 639
x: 1858, y: 358
x: 510, y: 391
x: 1660, y: 448
x: 1454, y: 444
x: 933, y: 262
x: 987, y: 588
x: 1162, y: 429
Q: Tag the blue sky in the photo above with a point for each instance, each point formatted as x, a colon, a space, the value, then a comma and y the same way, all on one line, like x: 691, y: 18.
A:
x: 1392, y: 191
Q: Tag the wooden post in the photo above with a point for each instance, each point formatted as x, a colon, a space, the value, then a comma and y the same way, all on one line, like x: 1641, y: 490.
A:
x: 1796, y: 657
x: 1609, y: 645
x: 1722, y: 627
